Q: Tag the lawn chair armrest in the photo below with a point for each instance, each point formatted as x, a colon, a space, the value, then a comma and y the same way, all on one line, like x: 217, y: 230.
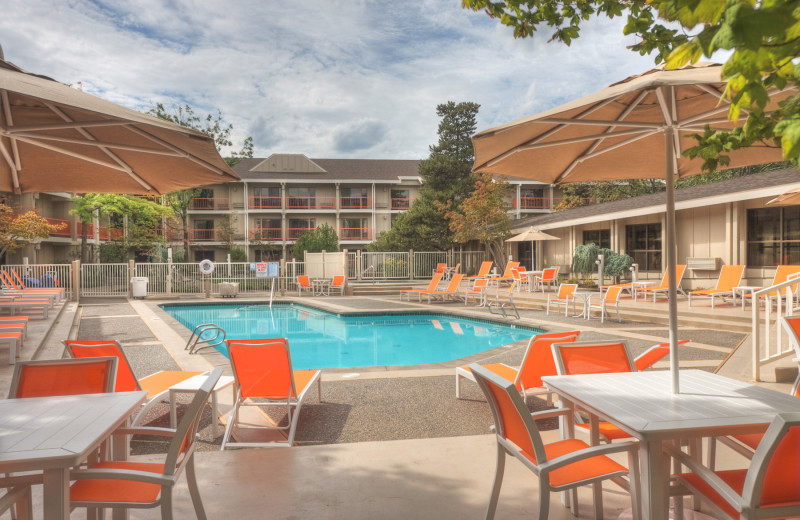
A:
x: 121, y: 474
x: 711, y: 478
x: 593, y: 451
x: 147, y: 430
x: 548, y: 414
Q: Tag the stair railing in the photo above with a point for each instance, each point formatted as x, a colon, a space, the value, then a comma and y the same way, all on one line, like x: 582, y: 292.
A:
x: 767, y: 351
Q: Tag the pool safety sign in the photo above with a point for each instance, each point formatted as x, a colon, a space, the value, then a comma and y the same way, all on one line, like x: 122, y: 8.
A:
x: 267, y: 270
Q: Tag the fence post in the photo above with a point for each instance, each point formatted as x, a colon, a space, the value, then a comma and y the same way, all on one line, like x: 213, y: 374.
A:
x: 411, y: 273
x: 282, y: 278
x: 169, y: 271
x: 76, y: 280
x: 131, y: 274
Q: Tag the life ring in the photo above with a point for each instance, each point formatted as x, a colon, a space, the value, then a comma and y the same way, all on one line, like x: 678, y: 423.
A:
x: 206, y: 267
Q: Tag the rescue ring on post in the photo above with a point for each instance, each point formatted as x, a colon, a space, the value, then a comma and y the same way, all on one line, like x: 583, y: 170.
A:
x: 206, y: 267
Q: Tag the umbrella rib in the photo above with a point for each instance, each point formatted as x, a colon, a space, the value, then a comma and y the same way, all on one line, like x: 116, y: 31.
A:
x: 594, y: 137
x: 670, y: 120
x: 114, y: 157
x: 177, y: 150
x: 98, y: 144
x: 598, y: 122
x: 66, y: 126
x: 9, y: 121
x: 35, y: 142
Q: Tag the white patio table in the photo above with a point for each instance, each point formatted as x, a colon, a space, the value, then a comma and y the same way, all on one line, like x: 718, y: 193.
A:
x: 53, y: 434
x: 642, y: 404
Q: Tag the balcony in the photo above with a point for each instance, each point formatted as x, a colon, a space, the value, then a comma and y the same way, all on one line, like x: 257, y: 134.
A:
x: 355, y: 234
x: 203, y: 235
x: 265, y: 234
x: 401, y: 203
x: 103, y: 232
x: 310, y: 202
x: 533, y: 203
x: 294, y: 233
x: 209, y: 204
x: 65, y: 229
x: 355, y: 202
x: 264, y: 203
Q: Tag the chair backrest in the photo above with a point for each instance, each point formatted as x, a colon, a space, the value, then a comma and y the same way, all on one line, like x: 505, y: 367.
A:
x: 303, y: 281
x: 650, y: 356
x: 591, y: 357
x: 337, y: 281
x: 509, y: 266
x: 453, y: 285
x: 126, y: 380
x: 7, y: 279
x: 456, y: 268
x: 45, y: 378
x: 182, y: 444
x: 434, y: 282
x: 480, y: 284
x: 538, y: 360
x: 18, y: 279
x: 729, y: 277
x: 516, y: 274
x: 772, y: 479
x: 612, y: 294
x: 549, y: 274
x: 262, y: 367
x: 791, y: 324
x: 512, y: 419
x: 782, y: 273
x: 484, y: 269
x: 566, y: 289
x: 556, y: 268
x: 440, y: 268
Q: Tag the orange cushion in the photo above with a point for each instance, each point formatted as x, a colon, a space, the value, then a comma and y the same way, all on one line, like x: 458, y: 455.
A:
x: 302, y: 378
x: 581, y: 470
x: 112, y: 490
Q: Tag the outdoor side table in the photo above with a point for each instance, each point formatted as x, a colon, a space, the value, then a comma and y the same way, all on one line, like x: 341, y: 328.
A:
x: 587, y: 297
x: 742, y: 290
x: 191, y: 386
x: 531, y: 275
x: 638, y: 285
x: 643, y: 405
x: 321, y: 286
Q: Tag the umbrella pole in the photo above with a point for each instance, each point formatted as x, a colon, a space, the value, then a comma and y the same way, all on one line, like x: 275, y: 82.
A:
x: 672, y: 260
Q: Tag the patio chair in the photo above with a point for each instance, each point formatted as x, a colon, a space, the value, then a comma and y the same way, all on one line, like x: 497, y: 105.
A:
x: 729, y: 277
x: 663, y: 287
x: 16, y: 287
x: 431, y: 287
x: 478, y: 290
x: 265, y: 377
x: 483, y: 271
x: 608, y: 299
x: 562, y: 465
x: 14, y: 342
x: 451, y: 290
x: 508, y: 275
x: 520, y: 277
x: 337, y: 284
x: 768, y: 488
x: 501, y: 305
x: 26, y: 305
x: 791, y: 324
x: 549, y: 276
x: 140, y: 485
x: 441, y: 269
x: 46, y: 378
x: 304, y: 283
x: 156, y: 385
x: 24, y: 286
x: 564, y: 297
x: 782, y: 274
x: 536, y: 363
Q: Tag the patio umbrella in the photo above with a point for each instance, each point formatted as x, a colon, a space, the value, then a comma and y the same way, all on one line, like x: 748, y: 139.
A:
x: 636, y: 128
x: 789, y: 198
x: 530, y: 235
x: 56, y: 138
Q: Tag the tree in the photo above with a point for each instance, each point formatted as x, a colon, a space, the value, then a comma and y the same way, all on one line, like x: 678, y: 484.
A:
x: 483, y: 217
x: 17, y: 231
x: 763, y: 38
x: 447, y: 177
x: 321, y: 239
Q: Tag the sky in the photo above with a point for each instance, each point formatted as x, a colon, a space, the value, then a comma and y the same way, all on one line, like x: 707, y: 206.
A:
x: 356, y: 79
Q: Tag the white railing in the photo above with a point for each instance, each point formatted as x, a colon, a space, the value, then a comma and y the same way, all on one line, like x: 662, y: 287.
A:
x: 425, y: 262
x: 105, y: 279
x: 44, y: 275
x: 384, y: 266
x: 765, y: 349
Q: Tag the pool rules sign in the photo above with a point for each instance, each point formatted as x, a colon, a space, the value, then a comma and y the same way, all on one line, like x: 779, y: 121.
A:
x: 268, y: 269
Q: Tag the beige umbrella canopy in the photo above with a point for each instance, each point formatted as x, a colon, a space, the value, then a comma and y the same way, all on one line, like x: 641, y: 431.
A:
x: 531, y: 235
x: 57, y: 138
x: 789, y: 198
x: 636, y: 128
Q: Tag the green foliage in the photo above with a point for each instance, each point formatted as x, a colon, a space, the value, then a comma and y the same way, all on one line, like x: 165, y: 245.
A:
x: 447, y: 176
x: 321, y: 239
x: 238, y: 254
x: 179, y: 255
x: 113, y: 252
x: 762, y: 40
x: 583, y: 261
x: 394, y: 268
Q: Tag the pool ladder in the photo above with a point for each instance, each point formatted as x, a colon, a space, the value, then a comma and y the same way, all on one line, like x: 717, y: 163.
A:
x: 197, y: 342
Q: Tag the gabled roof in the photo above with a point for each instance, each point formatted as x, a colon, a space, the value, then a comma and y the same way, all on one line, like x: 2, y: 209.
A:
x: 288, y: 167
x: 768, y: 184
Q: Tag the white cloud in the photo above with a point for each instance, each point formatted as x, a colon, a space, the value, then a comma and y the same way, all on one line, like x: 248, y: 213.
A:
x: 328, y: 79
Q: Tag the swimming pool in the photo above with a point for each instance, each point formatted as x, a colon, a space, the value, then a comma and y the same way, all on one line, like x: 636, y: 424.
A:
x: 320, y: 339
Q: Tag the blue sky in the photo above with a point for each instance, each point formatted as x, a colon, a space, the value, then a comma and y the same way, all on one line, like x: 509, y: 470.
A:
x: 329, y: 79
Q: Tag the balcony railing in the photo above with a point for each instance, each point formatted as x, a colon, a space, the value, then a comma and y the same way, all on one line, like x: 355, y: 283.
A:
x: 401, y: 203
x: 208, y: 203
x: 355, y: 202
x: 103, y: 232
x: 310, y: 202
x: 265, y: 233
x: 64, y: 231
x: 200, y: 235
x: 355, y: 234
x: 264, y: 202
x: 294, y: 233
x: 533, y: 203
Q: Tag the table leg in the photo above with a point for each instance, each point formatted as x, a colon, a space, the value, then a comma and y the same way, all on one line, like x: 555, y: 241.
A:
x: 597, y: 487
x: 654, y: 466
x: 173, y: 413
x: 56, y: 493
x: 214, y: 414
x: 120, y: 447
x: 566, y: 430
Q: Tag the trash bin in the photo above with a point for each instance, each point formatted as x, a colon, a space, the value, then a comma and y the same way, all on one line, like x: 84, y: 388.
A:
x: 139, y: 286
x: 228, y: 289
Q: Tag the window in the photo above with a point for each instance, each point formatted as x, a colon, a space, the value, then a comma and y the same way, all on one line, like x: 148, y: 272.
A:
x: 266, y: 255
x: 302, y: 198
x: 355, y: 229
x: 643, y: 243
x: 354, y: 198
x: 401, y: 199
x: 200, y: 255
x: 266, y: 229
x: 266, y: 197
x: 600, y: 237
x: 773, y: 236
x: 204, y: 200
x: 298, y: 226
x: 203, y: 230
x: 530, y: 198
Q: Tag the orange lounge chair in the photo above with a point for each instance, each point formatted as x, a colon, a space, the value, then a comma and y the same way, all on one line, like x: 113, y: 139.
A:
x: 431, y: 287
x: 59, y: 290
x: 536, y: 363
x: 337, y: 284
x: 508, y: 274
x: 451, y: 290
x: 156, y: 385
x: 304, y: 282
x: 265, y: 377
x: 16, y: 305
x: 483, y: 271
x: 15, y: 288
x: 478, y: 289
x: 782, y: 274
x: 663, y: 287
x: 729, y: 277
x: 145, y: 484
x: 549, y: 276
x: 562, y: 465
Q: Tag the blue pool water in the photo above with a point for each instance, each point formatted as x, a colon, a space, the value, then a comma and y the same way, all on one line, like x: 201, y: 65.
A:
x: 322, y: 340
